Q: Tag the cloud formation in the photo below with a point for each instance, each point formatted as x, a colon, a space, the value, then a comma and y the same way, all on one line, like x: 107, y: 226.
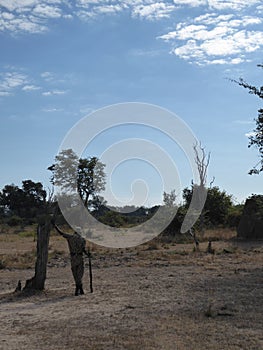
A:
x: 216, y: 39
x: 11, y: 81
x: 225, y: 31
x: 153, y: 11
x: 14, y: 80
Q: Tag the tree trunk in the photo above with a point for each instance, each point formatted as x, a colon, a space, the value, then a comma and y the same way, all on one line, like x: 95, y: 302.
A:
x: 38, y: 281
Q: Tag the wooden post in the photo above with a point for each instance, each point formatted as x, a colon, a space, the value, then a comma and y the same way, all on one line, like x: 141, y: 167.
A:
x: 90, y: 271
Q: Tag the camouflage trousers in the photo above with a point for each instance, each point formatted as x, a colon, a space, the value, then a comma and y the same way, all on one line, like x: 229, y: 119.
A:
x: 77, y: 268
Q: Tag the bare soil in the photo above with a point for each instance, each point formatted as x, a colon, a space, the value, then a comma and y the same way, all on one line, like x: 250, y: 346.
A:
x: 156, y: 296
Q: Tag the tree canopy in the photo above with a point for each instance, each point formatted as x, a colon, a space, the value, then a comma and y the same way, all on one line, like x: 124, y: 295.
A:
x: 85, y: 174
x: 25, y: 202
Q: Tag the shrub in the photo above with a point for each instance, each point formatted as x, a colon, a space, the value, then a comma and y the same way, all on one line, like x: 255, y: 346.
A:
x: 14, y: 221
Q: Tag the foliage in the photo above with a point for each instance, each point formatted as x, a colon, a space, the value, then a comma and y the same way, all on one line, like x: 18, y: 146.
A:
x: 217, y: 205
x: 169, y: 199
x: 14, y: 220
x: 234, y: 215
x: 113, y: 219
x: 256, y: 138
x: 26, y: 202
x: 84, y: 174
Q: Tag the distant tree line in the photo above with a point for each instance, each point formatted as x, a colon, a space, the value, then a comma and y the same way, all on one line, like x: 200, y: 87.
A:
x: 26, y: 204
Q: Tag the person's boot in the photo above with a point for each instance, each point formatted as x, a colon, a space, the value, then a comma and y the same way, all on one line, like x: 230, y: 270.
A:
x: 77, y: 290
x: 81, y: 291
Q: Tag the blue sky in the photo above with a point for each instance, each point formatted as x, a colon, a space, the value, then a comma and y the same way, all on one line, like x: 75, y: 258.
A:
x: 61, y: 60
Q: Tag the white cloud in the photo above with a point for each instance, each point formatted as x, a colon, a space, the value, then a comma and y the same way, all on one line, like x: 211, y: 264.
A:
x: 47, y: 11
x: 153, y: 11
x: 13, y: 81
x: 216, y: 39
x: 12, y: 5
x: 192, y: 3
x: 236, y: 5
x: 30, y: 88
x: 109, y: 9
x: 238, y: 43
x: 222, y: 33
x: 10, y: 82
x: 30, y: 16
x: 54, y: 92
x: 47, y: 76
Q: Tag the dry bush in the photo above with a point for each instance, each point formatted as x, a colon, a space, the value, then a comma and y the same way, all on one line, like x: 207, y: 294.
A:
x: 218, y: 234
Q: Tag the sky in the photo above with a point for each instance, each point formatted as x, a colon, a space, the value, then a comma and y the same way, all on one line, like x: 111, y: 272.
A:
x: 62, y: 60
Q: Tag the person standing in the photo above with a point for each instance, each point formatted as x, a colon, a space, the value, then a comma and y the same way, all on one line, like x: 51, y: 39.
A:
x: 77, y: 247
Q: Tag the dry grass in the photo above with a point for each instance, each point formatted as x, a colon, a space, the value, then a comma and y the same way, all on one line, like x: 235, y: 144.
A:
x: 155, y: 296
x: 219, y: 234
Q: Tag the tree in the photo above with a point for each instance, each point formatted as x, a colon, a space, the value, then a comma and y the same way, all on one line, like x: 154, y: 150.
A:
x: 37, y: 282
x: 26, y: 202
x: 256, y: 138
x: 85, y: 174
x: 217, y: 206
x: 202, y: 162
x: 30, y: 202
x: 91, y: 179
x: 12, y: 198
x: 199, y: 191
x: 169, y: 199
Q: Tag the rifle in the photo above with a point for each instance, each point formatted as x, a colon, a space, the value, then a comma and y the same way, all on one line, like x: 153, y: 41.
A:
x: 90, y: 269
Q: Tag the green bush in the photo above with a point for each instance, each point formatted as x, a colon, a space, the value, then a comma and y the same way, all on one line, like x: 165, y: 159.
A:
x: 14, y: 221
x: 27, y: 234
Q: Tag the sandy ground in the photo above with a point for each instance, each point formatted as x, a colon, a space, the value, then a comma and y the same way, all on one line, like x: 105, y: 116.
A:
x: 144, y: 298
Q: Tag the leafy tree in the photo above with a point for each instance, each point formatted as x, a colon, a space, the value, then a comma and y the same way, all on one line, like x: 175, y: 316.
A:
x: 169, y: 199
x: 256, y: 139
x: 85, y: 174
x: 11, y: 199
x: 64, y: 171
x: 25, y: 202
x: 34, y: 191
x: 217, y: 205
x: 91, y: 178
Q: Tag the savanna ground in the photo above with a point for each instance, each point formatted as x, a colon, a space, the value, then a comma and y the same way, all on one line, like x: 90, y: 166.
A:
x: 156, y: 296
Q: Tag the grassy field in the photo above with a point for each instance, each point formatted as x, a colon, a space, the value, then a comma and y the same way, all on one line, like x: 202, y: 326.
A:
x: 156, y: 296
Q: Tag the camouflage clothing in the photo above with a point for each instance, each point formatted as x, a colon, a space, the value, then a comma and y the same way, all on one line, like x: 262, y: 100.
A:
x: 76, y: 244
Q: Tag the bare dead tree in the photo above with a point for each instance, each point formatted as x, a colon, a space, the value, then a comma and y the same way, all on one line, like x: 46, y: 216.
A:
x: 202, y: 161
x: 37, y: 282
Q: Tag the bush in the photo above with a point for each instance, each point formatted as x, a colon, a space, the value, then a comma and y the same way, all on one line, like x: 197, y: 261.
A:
x: 234, y: 216
x: 14, y: 221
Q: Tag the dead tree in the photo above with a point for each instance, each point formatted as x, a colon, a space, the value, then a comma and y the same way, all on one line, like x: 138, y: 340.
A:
x: 202, y: 161
x: 37, y: 282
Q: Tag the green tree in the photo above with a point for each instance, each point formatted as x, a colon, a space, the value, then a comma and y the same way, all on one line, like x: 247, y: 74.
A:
x: 217, y: 205
x: 256, y: 138
x: 91, y: 179
x: 25, y: 202
x: 85, y: 174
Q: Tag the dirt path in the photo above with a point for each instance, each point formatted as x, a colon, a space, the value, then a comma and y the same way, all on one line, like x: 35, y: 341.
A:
x: 160, y: 299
